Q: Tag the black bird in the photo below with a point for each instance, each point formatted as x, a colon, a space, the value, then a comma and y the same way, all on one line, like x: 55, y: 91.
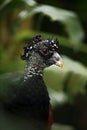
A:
x: 24, y: 99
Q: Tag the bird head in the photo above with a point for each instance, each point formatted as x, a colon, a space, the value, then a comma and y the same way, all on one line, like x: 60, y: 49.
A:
x: 42, y: 52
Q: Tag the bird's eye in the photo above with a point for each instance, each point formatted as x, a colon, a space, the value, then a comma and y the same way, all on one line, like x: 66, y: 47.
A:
x: 44, y: 51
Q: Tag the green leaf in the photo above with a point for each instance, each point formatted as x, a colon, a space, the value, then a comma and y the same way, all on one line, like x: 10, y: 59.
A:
x: 68, y: 18
x: 54, y: 77
x: 30, y: 2
x: 57, y: 98
x: 10, y: 6
x: 76, y: 80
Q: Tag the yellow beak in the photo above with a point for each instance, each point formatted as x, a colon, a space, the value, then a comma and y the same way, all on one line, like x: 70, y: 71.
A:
x: 59, y: 63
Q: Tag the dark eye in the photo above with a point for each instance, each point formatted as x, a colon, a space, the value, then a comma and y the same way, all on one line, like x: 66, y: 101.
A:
x: 44, y: 51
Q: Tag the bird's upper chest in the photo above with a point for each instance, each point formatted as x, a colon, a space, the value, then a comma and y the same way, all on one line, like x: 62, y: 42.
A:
x: 29, y: 96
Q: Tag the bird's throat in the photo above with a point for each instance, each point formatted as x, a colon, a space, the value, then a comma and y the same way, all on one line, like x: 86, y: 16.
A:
x: 32, y: 70
x: 34, y: 66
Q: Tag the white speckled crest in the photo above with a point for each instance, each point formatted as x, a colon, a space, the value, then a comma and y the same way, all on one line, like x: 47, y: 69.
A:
x: 38, y: 45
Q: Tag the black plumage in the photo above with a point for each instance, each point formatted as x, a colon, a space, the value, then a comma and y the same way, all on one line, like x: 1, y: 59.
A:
x: 25, y: 98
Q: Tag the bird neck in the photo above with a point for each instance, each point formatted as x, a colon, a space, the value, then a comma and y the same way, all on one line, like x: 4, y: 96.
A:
x: 34, y: 68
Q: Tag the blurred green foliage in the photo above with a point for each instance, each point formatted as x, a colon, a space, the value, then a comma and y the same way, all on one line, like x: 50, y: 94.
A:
x: 66, y: 83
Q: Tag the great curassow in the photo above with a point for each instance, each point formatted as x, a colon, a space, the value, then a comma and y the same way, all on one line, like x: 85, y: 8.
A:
x: 24, y: 99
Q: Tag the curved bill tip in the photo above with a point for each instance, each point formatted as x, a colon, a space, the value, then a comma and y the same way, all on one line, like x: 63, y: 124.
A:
x: 59, y: 63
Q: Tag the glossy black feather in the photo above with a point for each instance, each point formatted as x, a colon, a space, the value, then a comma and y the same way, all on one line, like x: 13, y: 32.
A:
x: 28, y: 96
x: 25, y: 101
